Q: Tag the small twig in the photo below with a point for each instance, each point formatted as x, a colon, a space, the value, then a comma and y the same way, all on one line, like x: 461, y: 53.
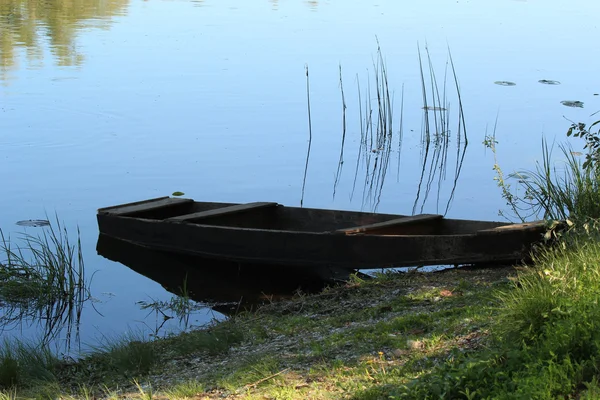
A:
x: 258, y: 382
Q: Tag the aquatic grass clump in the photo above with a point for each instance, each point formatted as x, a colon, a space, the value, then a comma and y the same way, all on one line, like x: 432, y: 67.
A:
x: 42, y: 279
x: 181, y: 305
x: 381, y: 134
x: 569, y: 190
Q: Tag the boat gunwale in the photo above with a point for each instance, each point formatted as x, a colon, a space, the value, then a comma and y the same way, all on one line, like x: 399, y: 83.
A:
x: 527, y: 227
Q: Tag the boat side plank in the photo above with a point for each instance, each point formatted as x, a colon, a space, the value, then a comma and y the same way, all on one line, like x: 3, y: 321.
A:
x: 535, y: 225
x: 221, y: 211
x: 146, y: 205
x: 389, y: 224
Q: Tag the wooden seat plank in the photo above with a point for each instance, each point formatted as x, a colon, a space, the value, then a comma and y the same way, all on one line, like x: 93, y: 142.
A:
x: 145, y: 205
x: 222, y: 211
x: 389, y: 224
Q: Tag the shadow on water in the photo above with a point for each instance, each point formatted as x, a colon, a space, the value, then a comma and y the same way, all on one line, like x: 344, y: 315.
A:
x: 226, y: 287
x: 379, y: 138
x: 43, y: 284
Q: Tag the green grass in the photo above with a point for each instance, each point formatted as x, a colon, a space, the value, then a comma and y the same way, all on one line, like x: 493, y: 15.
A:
x: 23, y: 365
x: 568, y: 189
x: 187, y: 389
x: 445, y: 335
x: 546, y: 341
x: 130, y: 356
x: 42, y: 278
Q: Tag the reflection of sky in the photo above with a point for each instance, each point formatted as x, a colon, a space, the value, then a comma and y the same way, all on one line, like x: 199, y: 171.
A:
x: 211, y: 101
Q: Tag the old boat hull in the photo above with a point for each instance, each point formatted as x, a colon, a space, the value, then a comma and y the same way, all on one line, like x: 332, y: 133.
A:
x: 274, y: 234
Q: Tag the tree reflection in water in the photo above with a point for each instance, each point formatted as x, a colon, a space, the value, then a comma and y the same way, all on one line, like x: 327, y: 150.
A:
x: 29, y: 24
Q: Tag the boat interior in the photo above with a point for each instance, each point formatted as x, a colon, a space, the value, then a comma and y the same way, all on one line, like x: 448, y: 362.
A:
x: 273, y: 216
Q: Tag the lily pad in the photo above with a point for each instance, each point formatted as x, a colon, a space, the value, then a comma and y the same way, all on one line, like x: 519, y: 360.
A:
x: 505, y: 83
x: 178, y: 194
x: 432, y: 108
x: 34, y: 223
x: 548, y: 82
x: 572, y: 103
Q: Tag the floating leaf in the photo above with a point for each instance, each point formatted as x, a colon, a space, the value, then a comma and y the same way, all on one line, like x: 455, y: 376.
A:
x: 34, y: 223
x: 178, y: 193
x: 505, y: 83
x: 572, y: 103
x: 548, y: 82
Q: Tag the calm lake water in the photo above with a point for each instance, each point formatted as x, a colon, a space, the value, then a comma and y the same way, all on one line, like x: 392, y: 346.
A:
x: 110, y: 101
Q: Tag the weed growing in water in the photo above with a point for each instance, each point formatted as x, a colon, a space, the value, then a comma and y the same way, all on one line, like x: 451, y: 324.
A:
x: 181, y: 305
x: 379, y: 138
x: 567, y: 192
x: 43, y: 279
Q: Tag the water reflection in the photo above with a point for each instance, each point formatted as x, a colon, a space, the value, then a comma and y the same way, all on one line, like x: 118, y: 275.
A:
x: 224, y: 286
x: 43, y: 284
x: 312, y: 4
x: 29, y: 24
x: 382, y: 134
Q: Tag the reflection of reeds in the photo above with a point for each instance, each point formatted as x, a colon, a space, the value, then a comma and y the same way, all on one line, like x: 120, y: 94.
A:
x: 43, y: 281
x: 181, y: 305
x: 309, y: 136
x: 341, y: 161
x: 435, y: 136
x: 376, y: 134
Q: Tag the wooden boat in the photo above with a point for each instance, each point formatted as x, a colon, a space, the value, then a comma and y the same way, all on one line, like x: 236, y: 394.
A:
x: 270, y: 233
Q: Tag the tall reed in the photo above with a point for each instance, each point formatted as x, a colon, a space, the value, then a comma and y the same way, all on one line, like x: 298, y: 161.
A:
x: 42, y: 280
x: 436, y: 133
x: 381, y: 135
x: 566, y: 190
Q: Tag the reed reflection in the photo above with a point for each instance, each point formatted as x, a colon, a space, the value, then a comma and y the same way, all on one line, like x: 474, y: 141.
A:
x: 43, y: 283
x: 382, y: 134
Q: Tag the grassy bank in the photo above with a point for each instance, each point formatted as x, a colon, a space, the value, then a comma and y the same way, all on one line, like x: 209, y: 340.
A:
x: 345, y: 341
x: 466, y: 333
x: 499, y: 332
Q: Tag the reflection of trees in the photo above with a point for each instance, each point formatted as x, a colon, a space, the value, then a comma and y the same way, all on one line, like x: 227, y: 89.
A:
x: 29, y: 24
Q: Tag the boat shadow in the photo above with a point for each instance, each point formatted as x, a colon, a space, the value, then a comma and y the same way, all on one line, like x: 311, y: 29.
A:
x: 224, y: 286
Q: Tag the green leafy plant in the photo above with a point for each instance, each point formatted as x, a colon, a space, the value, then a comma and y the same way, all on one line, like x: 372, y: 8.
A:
x: 592, y: 142
x: 569, y: 190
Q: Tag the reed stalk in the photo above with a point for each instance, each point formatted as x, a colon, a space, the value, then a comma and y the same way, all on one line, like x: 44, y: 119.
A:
x: 42, y: 280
